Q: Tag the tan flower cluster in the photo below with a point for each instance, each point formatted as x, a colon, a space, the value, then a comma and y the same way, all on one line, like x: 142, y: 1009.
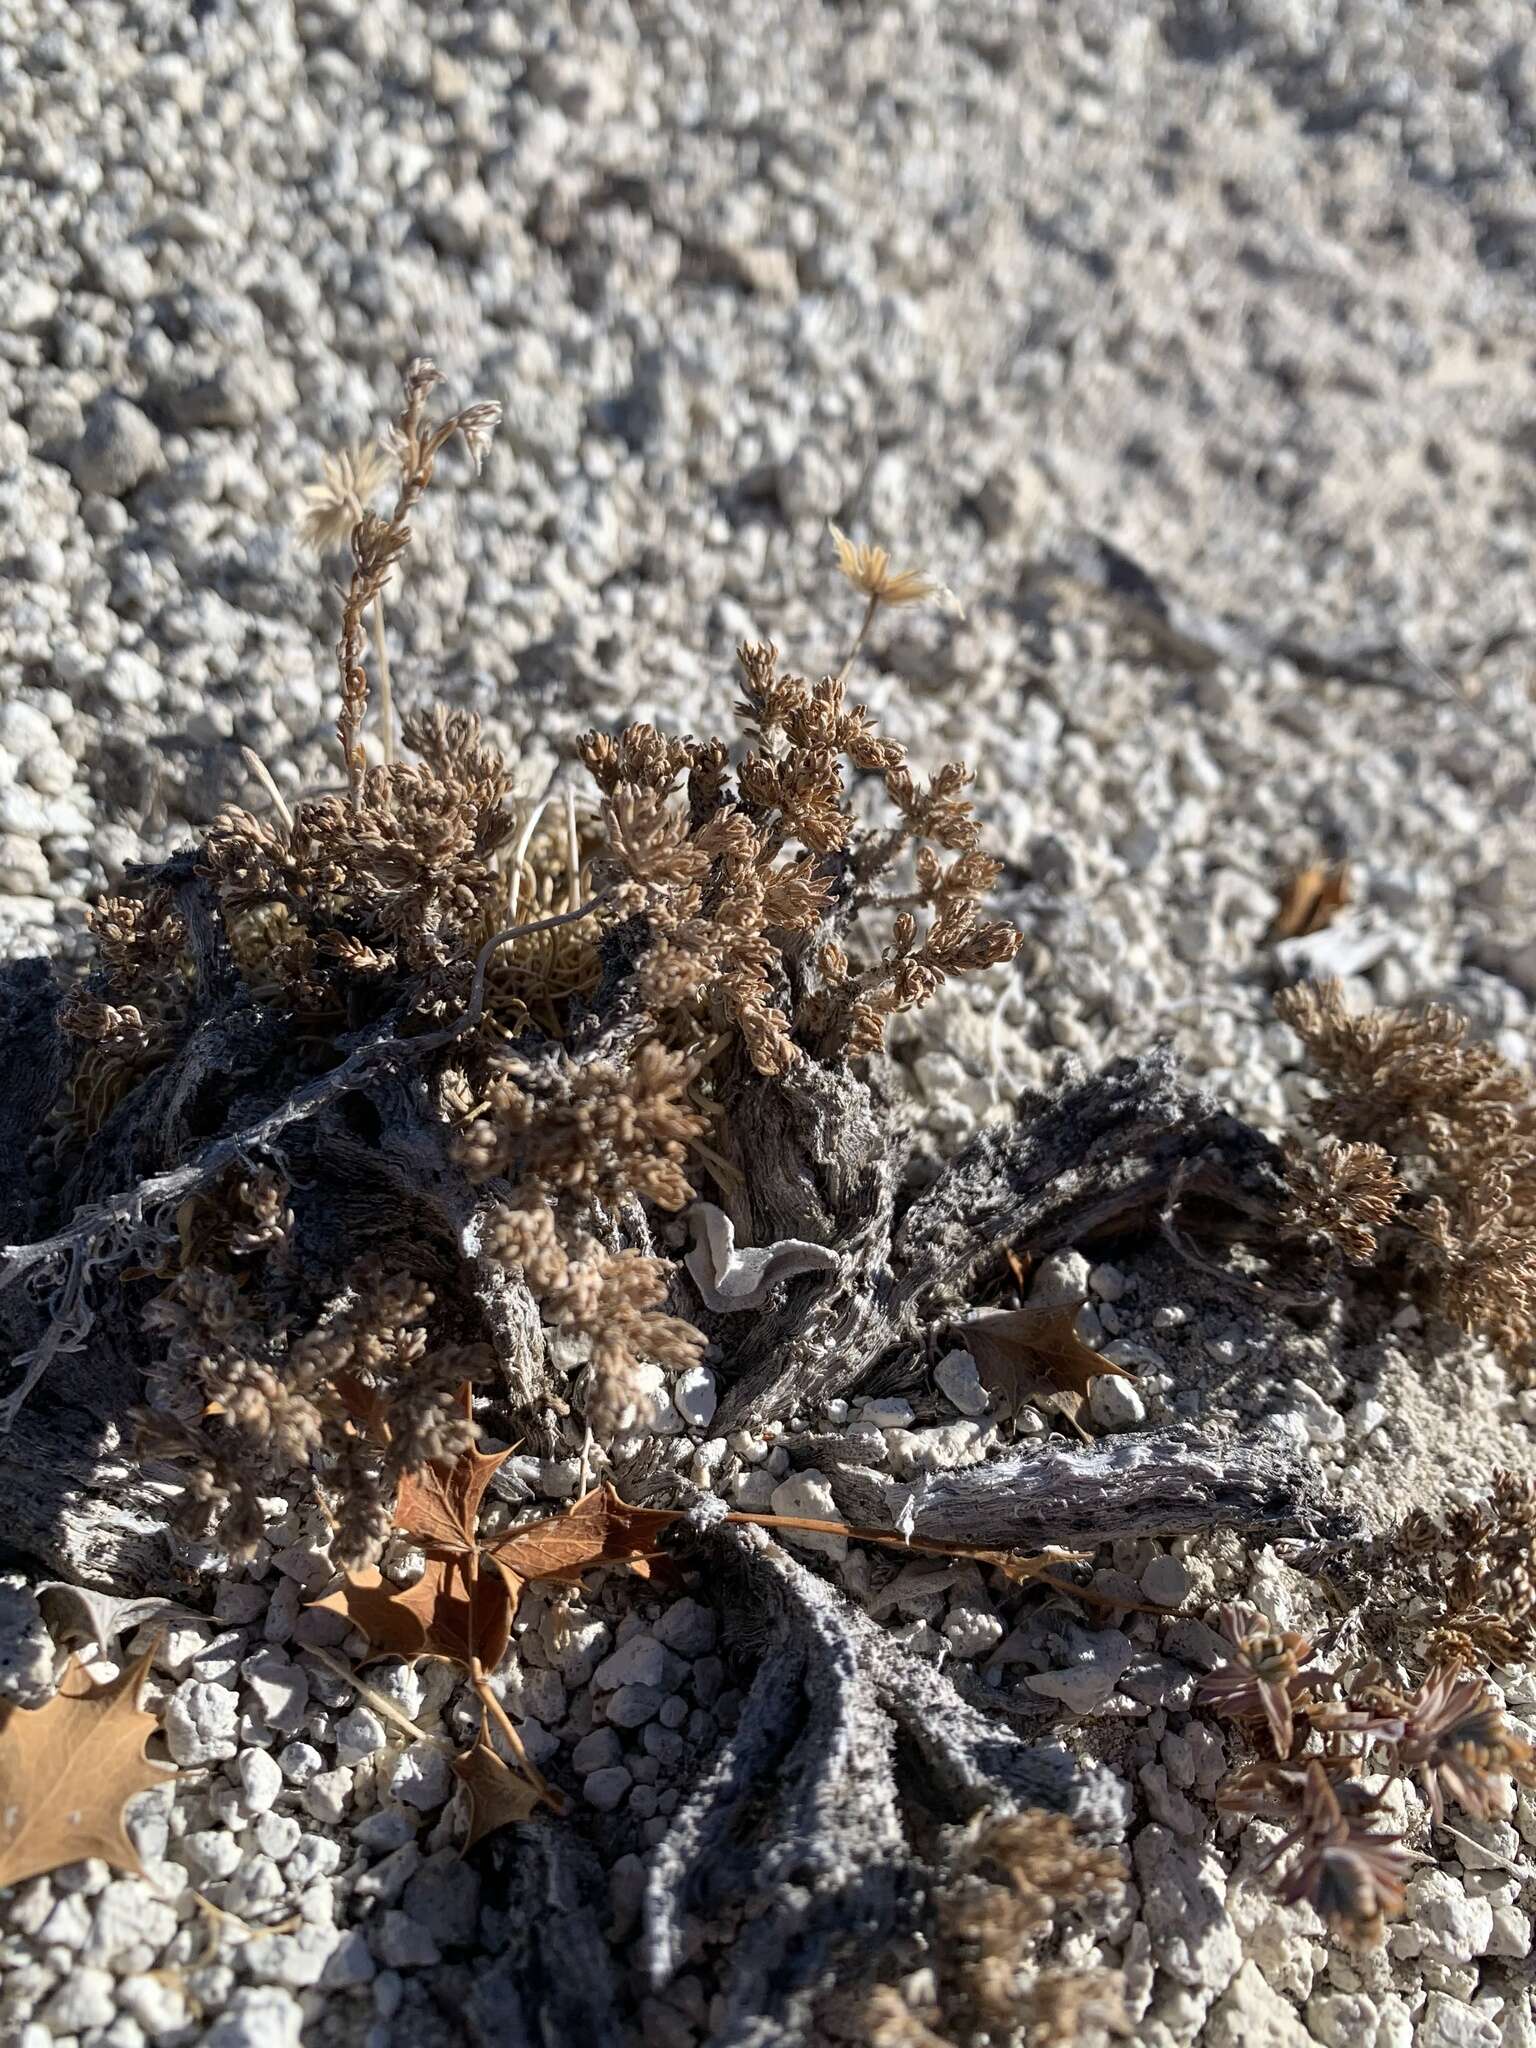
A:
x: 349, y: 481
x: 1015, y: 1875
x: 402, y: 875
x: 1430, y: 1132
x: 597, y: 1131
x: 258, y: 1399
x: 743, y: 931
x: 129, y: 1016
x: 1347, y: 1194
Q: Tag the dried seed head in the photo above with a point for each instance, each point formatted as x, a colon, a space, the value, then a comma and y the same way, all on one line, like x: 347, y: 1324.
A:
x: 1455, y: 1736
x: 1265, y: 1678
x: 868, y: 569
x: 349, y: 481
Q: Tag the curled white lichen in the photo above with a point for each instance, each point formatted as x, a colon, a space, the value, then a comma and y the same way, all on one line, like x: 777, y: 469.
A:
x: 731, y: 1278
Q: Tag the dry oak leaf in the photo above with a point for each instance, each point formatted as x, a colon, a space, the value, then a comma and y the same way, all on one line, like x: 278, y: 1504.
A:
x: 461, y: 1607
x: 440, y: 1505
x: 446, y: 1613
x: 67, y: 1769
x: 1309, y: 902
x: 597, y: 1529
x: 497, y: 1794
x: 1034, y: 1353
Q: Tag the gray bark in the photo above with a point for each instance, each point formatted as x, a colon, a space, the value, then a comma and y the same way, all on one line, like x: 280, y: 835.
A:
x: 1105, y: 1153
x: 1166, y: 1482
x: 802, y: 1835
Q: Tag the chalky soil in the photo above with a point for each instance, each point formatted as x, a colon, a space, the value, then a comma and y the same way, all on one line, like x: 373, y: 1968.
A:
x: 1246, y: 298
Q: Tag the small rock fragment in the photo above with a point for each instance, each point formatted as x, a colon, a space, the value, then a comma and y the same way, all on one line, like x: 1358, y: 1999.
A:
x: 119, y: 448
x: 960, y: 1383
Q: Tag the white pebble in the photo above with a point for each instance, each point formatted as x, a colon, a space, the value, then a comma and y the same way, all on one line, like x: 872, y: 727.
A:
x: 694, y: 1396
x: 606, y: 1789
x: 960, y: 1382
x: 886, y: 1412
x: 200, y: 1722
x: 1165, y: 1581
x: 359, y: 1734
x: 1115, y: 1403
x: 422, y: 1778
x: 810, y: 1494
x: 260, y: 1778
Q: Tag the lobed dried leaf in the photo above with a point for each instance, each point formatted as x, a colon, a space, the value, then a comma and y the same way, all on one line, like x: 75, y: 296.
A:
x: 67, y: 1770
x: 1034, y: 1354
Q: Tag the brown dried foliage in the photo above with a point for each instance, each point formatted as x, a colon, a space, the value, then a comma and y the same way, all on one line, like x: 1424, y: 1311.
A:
x: 1326, y: 1728
x: 400, y: 876
x: 258, y: 1399
x: 712, y: 906
x: 131, y: 1013
x: 1014, y: 1875
x: 744, y: 931
x: 608, y: 1300
x: 1429, y: 1145
x: 1468, y: 1578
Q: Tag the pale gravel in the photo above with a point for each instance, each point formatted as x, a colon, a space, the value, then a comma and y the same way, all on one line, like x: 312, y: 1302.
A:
x: 1244, y: 287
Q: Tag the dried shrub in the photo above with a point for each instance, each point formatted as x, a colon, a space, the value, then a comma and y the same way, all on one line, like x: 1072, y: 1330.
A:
x: 1427, y: 1156
x: 1465, y: 1581
x: 582, y: 984
x: 1345, y: 1194
x: 1013, y: 1878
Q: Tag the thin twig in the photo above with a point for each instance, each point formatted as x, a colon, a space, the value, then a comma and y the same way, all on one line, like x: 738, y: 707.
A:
x: 572, y: 850
x: 498, y: 1713
x: 386, y: 694
x: 379, y: 1703
x: 858, y: 639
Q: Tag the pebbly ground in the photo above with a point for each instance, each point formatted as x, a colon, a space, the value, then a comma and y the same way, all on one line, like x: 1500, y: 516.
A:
x: 1243, y: 289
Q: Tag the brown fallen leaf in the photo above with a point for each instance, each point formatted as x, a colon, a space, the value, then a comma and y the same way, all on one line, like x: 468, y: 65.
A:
x: 597, y: 1529
x: 1310, y: 901
x: 67, y: 1769
x: 459, y: 1609
x: 497, y: 1794
x: 1020, y: 1265
x: 1035, y: 1354
x: 440, y: 1505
